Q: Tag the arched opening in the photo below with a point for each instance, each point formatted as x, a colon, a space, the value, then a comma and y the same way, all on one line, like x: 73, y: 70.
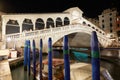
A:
x: 93, y: 27
x: 66, y: 21
x: 39, y: 24
x: 97, y: 30
x: 12, y: 26
x: 100, y: 32
x: 84, y: 23
x: 50, y: 23
x: 27, y: 25
x: 73, y: 40
x: 89, y: 25
x: 58, y: 22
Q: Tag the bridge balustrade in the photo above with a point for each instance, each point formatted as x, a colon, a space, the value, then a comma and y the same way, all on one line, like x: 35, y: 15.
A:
x: 63, y: 29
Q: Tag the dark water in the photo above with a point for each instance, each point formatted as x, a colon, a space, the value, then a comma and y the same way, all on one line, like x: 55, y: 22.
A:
x: 19, y: 74
x: 112, y: 66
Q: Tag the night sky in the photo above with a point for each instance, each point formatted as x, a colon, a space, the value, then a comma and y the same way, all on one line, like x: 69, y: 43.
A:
x: 91, y: 8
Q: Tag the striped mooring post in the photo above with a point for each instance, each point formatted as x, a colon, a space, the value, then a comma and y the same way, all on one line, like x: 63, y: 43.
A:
x: 40, y: 58
x: 25, y: 55
x: 49, y: 59
x: 95, y: 54
x: 66, y: 58
x: 28, y: 57
x: 34, y: 58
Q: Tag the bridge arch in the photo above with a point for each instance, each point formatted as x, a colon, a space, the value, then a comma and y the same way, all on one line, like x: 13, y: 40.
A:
x: 66, y: 21
x: 59, y: 36
x: 60, y: 33
x: 101, y: 37
x: 50, y: 23
x: 39, y: 24
x: 27, y: 25
x: 58, y: 22
x: 12, y: 26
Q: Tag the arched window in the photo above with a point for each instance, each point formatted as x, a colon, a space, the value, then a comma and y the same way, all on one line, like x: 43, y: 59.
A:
x: 50, y: 23
x: 27, y: 25
x: 58, y: 22
x: 12, y: 26
x: 66, y: 21
x: 39, y: 24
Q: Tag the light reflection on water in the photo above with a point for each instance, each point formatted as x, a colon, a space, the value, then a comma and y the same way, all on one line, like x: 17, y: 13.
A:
x: 113, y: 68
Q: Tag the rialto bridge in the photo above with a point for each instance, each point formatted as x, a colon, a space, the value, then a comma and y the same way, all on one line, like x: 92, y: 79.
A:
x: 16, y: 28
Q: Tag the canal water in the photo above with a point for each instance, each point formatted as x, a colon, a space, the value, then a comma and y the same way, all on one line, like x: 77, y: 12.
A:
x: 111, y: 64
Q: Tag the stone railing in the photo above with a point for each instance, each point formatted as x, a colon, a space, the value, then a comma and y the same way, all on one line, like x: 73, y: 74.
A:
x: 52, y: 31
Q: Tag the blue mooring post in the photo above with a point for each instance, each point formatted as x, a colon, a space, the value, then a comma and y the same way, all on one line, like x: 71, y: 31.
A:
x: 66, y: 58
x: 95, y: 57
x: 34, y: 59
x: 40, y: 58
x: 49, y: 59
x: 28, y: 57
x: 25, y: 55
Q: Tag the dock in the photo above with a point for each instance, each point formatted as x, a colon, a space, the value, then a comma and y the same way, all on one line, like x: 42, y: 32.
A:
x: 14, y: 61
x: 5, y: 73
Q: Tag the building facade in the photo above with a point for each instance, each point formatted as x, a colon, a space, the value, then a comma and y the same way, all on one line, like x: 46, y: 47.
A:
x: 107, y: 22
x: 95, y: 21
x: 118, y: 27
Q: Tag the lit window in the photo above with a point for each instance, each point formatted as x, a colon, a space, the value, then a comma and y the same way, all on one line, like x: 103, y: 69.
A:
x: 117, y: 19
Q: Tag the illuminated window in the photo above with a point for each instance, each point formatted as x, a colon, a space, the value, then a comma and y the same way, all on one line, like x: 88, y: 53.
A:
x: 117, y: 19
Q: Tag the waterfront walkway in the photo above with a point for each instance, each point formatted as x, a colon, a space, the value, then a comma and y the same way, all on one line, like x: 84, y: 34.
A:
x: 5, y: 73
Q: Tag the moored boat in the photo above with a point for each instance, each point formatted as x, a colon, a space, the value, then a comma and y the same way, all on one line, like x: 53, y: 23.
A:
x: 78, y: 71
